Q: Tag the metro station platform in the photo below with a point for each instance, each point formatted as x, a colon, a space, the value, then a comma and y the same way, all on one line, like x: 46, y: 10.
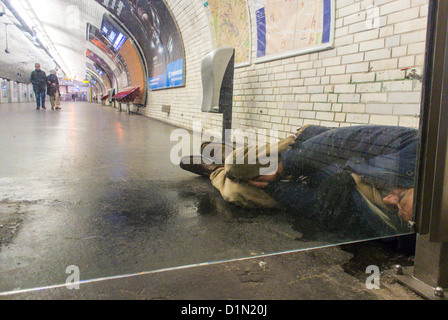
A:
x: 91, y: 187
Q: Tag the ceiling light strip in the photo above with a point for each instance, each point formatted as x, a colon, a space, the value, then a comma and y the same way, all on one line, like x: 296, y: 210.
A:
x: 21, y: 11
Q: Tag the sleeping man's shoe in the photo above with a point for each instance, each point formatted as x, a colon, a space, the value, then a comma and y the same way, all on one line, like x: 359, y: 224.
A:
x: 196, y: 164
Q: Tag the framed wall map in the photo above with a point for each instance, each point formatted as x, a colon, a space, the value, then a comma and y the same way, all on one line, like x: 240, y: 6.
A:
x: 293, y: 27
x: 230, y: 24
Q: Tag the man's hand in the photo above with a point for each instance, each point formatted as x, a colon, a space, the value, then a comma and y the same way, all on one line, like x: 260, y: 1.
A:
x: 403, y: 200
x: 263, y: 181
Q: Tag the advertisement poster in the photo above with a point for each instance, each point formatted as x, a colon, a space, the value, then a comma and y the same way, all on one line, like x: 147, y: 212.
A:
x: 92, y: 69
x: 291, y: 27
x: 101, y: 67
x: 154, y: 28
x: 99, y: 39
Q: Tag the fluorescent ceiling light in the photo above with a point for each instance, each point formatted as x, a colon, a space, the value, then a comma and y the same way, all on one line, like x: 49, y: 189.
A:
x: 24, y: 13
x: 32, y: 21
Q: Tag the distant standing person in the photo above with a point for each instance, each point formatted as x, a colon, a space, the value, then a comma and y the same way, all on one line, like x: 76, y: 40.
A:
x: 53, y: 90
x: 39, y: 81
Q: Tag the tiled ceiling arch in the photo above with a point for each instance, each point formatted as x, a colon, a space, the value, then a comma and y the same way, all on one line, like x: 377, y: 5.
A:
x: 61, y: 28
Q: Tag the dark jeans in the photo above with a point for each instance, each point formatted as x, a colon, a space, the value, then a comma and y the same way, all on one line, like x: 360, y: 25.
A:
x: 322, y: 190
x: 40, y: 98
x: 354, y: 215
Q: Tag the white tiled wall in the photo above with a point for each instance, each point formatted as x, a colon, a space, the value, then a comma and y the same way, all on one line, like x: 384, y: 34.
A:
x: 360, y: 81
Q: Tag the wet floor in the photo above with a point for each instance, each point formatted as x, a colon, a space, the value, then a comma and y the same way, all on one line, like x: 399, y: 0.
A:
x: 95, y: 188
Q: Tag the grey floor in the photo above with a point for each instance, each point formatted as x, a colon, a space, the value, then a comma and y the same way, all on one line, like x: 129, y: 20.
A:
x: 92, y: 187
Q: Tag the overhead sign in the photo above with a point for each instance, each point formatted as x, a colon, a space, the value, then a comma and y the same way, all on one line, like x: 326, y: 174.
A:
x: 113, y: 33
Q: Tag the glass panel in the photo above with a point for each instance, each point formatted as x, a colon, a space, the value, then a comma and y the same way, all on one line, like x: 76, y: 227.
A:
x: 95, y: 189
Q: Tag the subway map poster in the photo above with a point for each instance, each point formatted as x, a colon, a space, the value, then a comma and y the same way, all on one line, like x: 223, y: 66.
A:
x: 229, y: 22
x: 292, y: 27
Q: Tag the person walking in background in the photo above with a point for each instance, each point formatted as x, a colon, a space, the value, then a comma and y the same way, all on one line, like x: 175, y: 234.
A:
x: 53, y: 90
x: 39, y: 81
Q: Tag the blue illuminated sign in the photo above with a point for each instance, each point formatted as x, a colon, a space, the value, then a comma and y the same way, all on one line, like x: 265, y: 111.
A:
x: 113, y: 34
x: 173, y: 77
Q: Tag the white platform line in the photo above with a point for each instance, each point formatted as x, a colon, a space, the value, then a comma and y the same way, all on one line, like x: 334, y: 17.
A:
x: 71, y: 284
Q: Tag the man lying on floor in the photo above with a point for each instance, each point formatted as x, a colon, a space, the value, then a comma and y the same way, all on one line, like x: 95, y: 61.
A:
x: 344, y: 178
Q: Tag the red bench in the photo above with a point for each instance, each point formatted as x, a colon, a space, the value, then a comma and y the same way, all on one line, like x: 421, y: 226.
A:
x: 127, y: 96
x: 104, y: 99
